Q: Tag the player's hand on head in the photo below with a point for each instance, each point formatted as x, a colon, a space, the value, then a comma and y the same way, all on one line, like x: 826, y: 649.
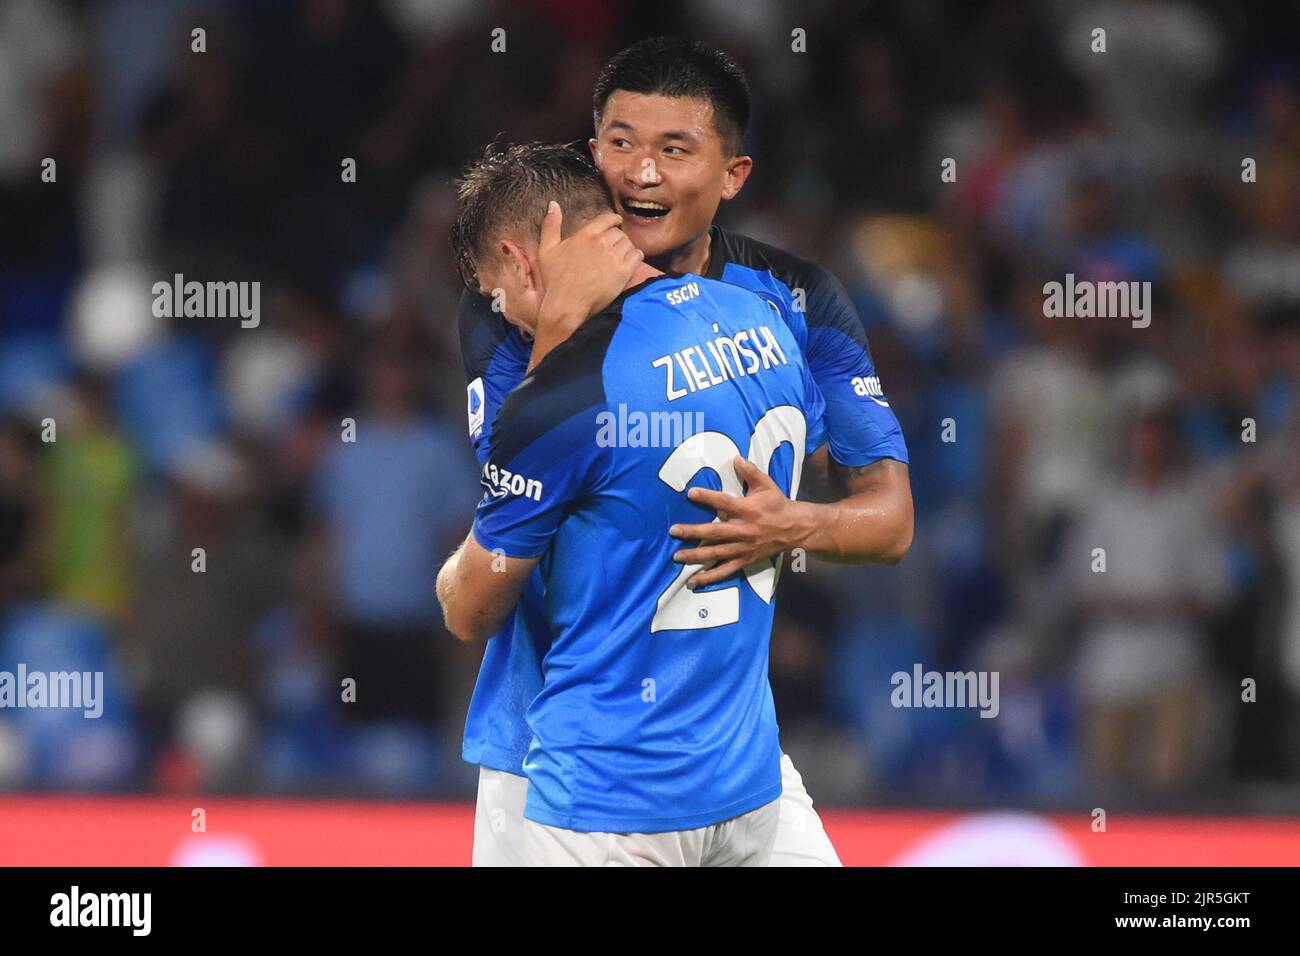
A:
x: 762, y: 523
x: 586, y: 271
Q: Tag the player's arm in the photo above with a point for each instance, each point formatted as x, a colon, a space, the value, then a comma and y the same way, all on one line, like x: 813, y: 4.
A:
x: 478, y: 589
x: 542, y: 458
x: 494, y: 356
x: 870, y: 517
x: 583, y: 274
x: 870, y: 524
x: 864, y: 466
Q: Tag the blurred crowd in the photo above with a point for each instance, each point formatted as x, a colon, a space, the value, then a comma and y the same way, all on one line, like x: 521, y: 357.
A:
x: 241, y: 526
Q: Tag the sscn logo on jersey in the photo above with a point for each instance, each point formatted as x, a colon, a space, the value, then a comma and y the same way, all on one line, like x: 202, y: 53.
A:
x: 682, y: 293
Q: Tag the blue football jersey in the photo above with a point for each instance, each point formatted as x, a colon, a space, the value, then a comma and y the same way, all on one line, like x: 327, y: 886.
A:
x: 655, y: 711
x: 859, y: 425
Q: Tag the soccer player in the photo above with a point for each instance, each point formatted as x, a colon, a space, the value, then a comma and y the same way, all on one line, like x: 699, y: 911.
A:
x: 670, y: 118
x: 655, y: 736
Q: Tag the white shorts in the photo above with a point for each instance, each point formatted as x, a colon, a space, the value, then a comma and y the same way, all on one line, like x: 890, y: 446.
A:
x: 500, y: 827
x: 745, y: 840
x: 801, y: 839
x: 499, y: 818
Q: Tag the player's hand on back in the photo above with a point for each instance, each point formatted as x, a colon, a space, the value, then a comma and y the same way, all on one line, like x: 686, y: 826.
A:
x: 583, y: 274
x: 762, y: 523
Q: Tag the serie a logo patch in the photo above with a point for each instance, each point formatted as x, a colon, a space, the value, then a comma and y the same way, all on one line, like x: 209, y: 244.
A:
x: 475, y: 406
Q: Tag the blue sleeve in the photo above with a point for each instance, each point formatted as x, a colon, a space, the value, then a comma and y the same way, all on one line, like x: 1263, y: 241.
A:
x: 495, y: 357
x: 814, y: 403
x: 537, y: 468
x: 814, y: 410
x: 860, y: 425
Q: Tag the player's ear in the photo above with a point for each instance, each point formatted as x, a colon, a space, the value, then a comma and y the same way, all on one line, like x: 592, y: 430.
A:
x: 517, y: 261
x: 593, y: 145
x: 737, y: 171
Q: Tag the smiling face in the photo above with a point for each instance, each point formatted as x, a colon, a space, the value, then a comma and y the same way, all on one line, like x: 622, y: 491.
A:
x: 668, y: 168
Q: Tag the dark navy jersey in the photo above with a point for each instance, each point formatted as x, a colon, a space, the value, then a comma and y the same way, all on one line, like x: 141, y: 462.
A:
x: 858, y: 424
x: 655, y: 711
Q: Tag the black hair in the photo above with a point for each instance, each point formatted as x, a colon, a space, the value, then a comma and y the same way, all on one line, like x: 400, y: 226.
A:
x: 671, y: 66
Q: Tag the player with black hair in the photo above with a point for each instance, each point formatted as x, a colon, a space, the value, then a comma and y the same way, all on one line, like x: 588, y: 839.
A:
x: 688, y: 774
x: 670, y: 118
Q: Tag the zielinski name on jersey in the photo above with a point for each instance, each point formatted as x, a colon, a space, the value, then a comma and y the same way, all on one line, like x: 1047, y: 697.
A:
x: 726, y: 357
